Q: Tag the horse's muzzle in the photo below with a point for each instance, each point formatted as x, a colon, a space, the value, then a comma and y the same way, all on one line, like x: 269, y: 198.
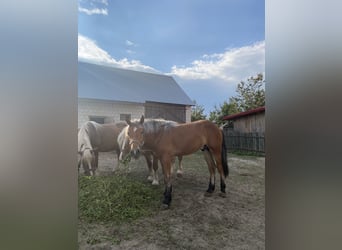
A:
x: 135, y: 153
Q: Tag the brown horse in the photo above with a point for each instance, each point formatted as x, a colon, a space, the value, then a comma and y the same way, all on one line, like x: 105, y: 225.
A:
x: 171, y: 140
x: 94, y: 138
x: 151, y: 159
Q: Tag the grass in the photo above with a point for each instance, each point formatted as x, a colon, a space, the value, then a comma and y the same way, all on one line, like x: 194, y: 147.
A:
x: 115, y: 199
x: 124, y: 197
x: 110, y: 206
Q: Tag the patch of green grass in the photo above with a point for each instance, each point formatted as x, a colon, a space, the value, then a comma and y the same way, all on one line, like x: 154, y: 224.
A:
x: 126, y: 160
x: 115, y: 199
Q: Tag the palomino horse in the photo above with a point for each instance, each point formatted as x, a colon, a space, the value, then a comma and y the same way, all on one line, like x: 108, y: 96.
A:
x: 151, y: 159
x: 169, y: 141
x: 94, y: 138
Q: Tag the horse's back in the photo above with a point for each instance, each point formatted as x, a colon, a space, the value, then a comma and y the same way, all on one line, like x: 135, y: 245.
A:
x: 199, y: 127
x: 83, y: 135
x: 187, y: 138
x: 210, y: 129
x: 112, y: 130
x: 109, y: 134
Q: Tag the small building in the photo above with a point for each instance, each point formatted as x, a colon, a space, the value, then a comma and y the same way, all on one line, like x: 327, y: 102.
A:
x: 248, y: 131
x: 107, y: 94
x: 251, y: 121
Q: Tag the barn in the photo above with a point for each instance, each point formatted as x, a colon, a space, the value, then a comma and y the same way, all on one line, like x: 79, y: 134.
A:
x: 251, y: 121
x: 246, y: 131
x: 107, y: 94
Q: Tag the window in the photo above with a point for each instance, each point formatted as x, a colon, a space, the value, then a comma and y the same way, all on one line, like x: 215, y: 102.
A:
x: 124, y: 117
x: 98, y: 119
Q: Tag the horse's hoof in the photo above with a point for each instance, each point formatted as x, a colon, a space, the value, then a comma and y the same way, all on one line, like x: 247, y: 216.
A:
x: 223, y: 195
x: 150, y: 178
x: 155, y: 183
x: 207, y: 194
x: 165, y: 206
x: 179, y: 174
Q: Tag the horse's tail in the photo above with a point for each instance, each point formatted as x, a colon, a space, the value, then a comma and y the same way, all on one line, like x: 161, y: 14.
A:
x: 224, y: 156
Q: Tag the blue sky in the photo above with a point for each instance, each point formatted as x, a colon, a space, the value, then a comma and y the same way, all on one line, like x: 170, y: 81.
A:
x: 207, y: 46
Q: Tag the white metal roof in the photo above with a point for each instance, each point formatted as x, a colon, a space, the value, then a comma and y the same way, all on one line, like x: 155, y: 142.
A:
x: 115, y: 84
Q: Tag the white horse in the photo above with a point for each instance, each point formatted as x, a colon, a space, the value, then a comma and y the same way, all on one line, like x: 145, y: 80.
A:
x: 94, y: 138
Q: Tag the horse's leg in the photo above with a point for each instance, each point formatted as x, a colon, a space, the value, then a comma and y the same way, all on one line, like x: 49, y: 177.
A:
x: 96, y: 156
x: 173, y: 164
x: 180, y: 167
x: 118, y: 160
x: 79, y: 158
x: 218, y: 159
x: 149, y: 165
x: 166, y: 164
x: 155, y: 169
x: 211, y: 167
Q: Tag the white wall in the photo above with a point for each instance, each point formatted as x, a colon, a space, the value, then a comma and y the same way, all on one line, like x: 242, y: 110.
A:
x: 110, y: 110
x: 188, y: 113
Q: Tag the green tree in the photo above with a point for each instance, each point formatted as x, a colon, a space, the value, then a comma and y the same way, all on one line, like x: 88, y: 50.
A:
x: 197, y: 112
x: 250, y: 94
x: 223, y: 110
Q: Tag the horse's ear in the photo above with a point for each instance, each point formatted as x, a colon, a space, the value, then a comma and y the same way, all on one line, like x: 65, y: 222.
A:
x: 142, y: 119
x: 128, y: 121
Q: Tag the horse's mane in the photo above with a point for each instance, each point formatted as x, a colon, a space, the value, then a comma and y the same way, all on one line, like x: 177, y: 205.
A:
x: 84, y: 136
x: 122, y: 137
x: 150, y: 126
x: 158, y: 125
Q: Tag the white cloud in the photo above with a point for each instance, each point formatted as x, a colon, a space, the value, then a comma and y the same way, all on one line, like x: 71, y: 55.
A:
x: 93, y: 2
x: 129, y: 43
x: 130, y: 46
x: 105, y: 2
x: 89, y: 51
x: 93, y: 7
x: 230, y: 66
x: 94, y: 11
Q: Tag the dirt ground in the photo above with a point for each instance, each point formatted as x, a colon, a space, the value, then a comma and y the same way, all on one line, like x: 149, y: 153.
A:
x: 193, y: 221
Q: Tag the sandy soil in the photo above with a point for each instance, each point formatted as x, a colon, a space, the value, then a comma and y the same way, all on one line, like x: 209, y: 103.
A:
x: 193, y: 221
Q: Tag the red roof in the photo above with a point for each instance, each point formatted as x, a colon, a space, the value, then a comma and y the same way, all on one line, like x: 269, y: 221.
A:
x: 246, y: 113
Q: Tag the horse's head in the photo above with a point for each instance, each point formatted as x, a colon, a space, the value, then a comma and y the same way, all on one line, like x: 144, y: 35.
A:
x: 135, y: 135
x: 87, y: 160
x: 123, y: 143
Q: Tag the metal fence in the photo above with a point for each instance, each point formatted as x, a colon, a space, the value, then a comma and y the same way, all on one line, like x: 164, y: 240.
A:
x: 249, y: 142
